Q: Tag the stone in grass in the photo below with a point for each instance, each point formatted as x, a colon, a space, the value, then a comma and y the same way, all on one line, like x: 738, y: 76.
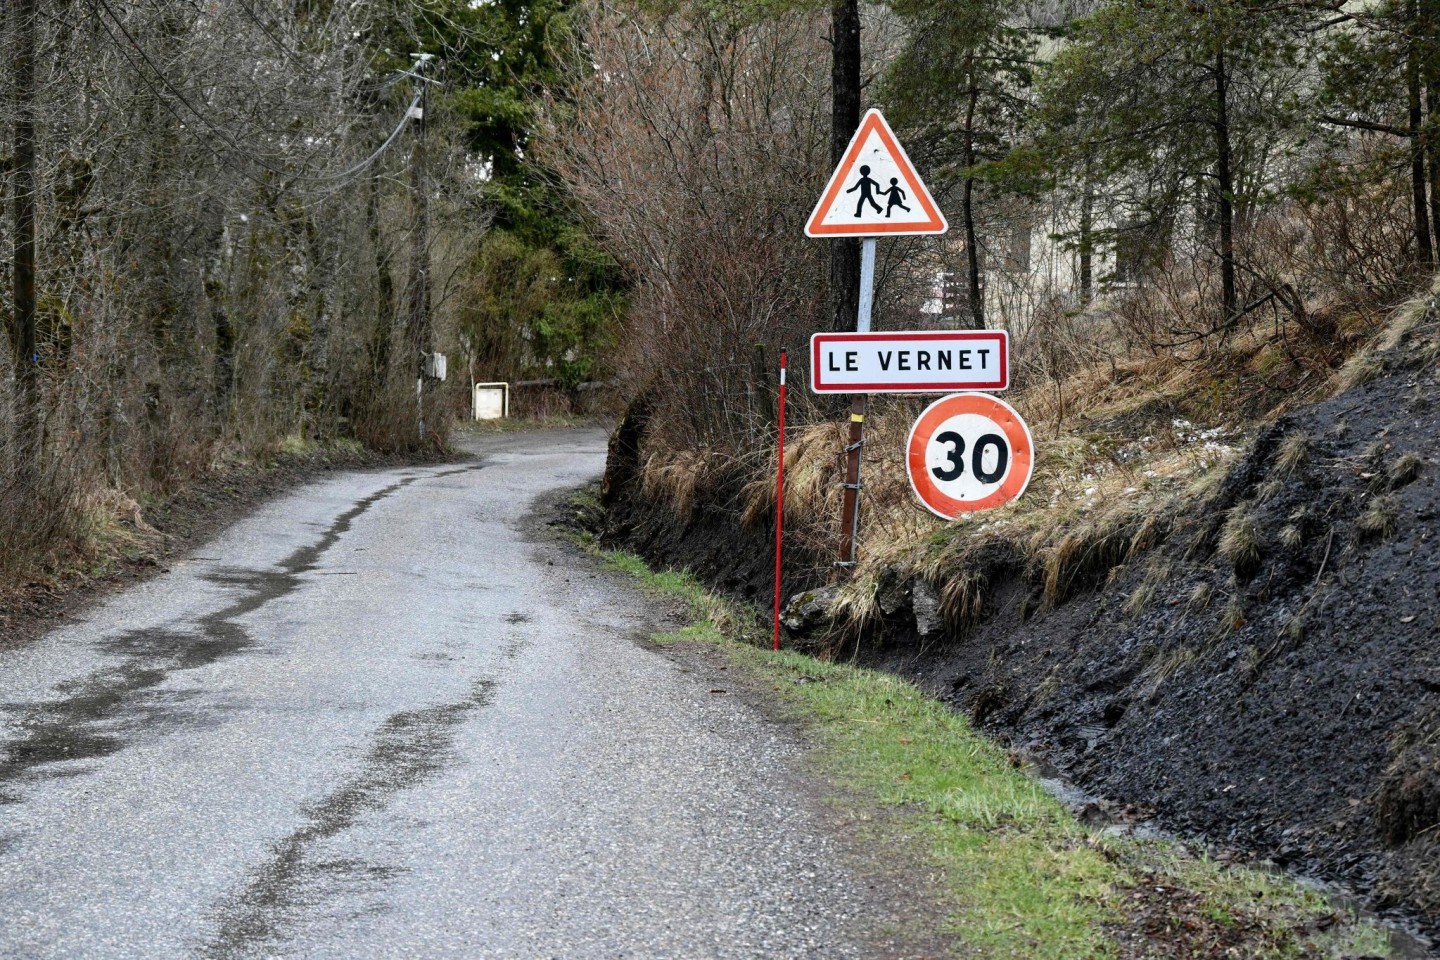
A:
x: 926, y: 604
x: 810, y: 611
x: 896, y: 593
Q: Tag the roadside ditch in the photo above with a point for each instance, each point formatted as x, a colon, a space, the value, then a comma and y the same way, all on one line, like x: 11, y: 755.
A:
x: 1012, y: 871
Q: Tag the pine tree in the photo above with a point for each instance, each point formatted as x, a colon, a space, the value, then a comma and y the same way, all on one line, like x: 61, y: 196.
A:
x: 1179, y: 107
x: 958, y: 91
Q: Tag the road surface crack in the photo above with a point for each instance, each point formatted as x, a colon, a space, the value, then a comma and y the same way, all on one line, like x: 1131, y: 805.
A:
x: 408, y: 749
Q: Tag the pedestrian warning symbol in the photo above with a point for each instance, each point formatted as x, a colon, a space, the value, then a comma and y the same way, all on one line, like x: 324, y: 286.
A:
x: 875, y: 190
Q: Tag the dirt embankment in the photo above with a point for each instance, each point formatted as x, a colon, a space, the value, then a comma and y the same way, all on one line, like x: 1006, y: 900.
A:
x: 713, y: 541
x: 1265, y: 674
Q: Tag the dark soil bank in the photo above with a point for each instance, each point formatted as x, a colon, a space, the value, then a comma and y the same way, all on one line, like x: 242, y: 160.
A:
x: 1265, y: 676
x: 713, y: 542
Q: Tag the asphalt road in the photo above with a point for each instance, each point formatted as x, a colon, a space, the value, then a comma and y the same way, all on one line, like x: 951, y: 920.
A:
x: 382, y: 718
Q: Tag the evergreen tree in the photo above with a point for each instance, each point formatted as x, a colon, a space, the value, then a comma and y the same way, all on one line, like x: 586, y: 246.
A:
x: 545, y: 296
x: 958, y: 90
x: 1381, y: 74
x: 1179, y: 108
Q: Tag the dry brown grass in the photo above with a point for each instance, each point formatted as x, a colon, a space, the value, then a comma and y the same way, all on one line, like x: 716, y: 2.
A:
x: 1240, y: 541
x: 1087, y: 553
x: 1379, y: 519
x: 1292, y: 538
x: 1163, y: 667
x: 1232, y: 618
x: 61, y: 528
x: 674, y: 479
x: 1360, y: 369
x: 1158, y: 570
x: 1294, y: 452
x: 1200, y: 597
x: 1125, y: 446
x: 1409, y: 318
x: 1404, y: 470
x: 1097, y: 498
x: 812, y: 473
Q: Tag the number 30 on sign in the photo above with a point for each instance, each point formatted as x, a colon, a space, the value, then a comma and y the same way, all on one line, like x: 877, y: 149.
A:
x: 969, y: 452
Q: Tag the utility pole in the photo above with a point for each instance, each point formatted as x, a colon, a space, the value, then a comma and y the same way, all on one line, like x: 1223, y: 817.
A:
x: 844, y: 119
x: 27, y: 376
x: 420, y: 333
x: 846, y: 285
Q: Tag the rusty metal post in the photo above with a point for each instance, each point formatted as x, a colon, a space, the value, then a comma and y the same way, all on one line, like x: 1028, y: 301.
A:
x: 850, y: 512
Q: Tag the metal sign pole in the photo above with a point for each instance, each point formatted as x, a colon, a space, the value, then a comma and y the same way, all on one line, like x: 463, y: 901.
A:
x: 850, y: 513
x: 780, y: 499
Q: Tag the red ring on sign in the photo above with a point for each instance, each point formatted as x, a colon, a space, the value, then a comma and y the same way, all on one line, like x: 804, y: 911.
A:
x: 1017, y: 434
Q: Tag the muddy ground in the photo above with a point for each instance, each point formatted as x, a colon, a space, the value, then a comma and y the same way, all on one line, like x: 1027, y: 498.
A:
x: 1277, y: 697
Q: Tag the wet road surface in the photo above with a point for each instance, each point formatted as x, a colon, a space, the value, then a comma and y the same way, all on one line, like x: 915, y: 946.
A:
x: 381, y: 718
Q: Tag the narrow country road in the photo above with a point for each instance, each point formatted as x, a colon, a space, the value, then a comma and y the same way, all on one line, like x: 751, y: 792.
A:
x: 380, y: 718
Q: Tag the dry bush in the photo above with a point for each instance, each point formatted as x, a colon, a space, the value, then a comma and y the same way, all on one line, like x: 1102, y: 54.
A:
x: 694, y: 140
x: 1358, y: 225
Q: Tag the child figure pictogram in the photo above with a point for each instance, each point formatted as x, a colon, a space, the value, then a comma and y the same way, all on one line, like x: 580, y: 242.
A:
x: 896, y: 197
x: 866, y: 185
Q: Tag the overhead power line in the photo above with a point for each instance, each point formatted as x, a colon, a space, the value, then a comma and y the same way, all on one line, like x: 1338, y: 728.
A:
x: 238, y: 151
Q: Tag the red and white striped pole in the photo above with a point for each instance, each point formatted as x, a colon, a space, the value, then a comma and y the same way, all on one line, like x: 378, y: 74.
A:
x: 780, y: 500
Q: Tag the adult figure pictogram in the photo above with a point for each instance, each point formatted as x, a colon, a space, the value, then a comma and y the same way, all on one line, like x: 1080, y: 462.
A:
x: 896, y: 197
x: 866, y: 185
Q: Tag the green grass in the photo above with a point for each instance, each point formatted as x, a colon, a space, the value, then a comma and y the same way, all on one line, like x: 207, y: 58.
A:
x: 1017, y: 865
x: 715, y: 619
x: 1018, y: 875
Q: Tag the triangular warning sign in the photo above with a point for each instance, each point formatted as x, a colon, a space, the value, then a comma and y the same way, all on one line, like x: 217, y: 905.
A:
x: 875, y: 190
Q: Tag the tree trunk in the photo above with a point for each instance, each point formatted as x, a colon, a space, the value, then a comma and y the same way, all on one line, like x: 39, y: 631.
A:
x: 385, y: 288
x: 1427, y: 38
x: 217, y: 264
x: 1087, y: 214
x: 1226, y: 185
x: 1431, y: 137
x: 1424, y: 253
x: 419, y: 334
x: 27, y: 373
x: 844, y: 121
x: 967, y: 213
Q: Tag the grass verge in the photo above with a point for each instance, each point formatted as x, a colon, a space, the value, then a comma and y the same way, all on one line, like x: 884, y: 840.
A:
x: 1018, y: 874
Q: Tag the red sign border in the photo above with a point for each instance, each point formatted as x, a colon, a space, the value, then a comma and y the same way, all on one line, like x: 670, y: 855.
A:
x: 816, y: 339
x: 929, y: 421
x: 874, y: 121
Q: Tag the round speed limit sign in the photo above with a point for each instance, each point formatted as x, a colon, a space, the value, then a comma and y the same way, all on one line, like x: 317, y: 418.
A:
x: 968, y: 452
